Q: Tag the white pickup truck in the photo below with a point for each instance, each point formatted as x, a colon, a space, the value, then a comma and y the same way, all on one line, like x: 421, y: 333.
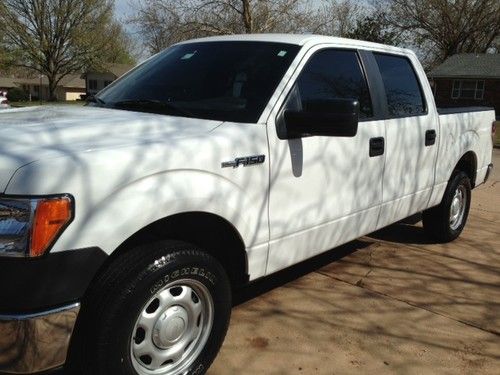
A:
x: 125, y: 225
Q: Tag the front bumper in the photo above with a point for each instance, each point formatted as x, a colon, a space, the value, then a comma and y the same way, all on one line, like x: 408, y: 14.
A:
x: 34, y: 334
x: 38, y: 342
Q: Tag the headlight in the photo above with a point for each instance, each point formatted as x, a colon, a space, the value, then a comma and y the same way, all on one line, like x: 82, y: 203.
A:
x: 30, y: 226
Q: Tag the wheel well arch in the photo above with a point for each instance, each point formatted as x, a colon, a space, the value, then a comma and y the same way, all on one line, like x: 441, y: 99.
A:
x: 468, y: 164
x: 208, y: 231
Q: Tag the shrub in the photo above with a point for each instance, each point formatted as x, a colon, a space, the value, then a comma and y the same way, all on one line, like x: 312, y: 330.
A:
x: 16, y: 94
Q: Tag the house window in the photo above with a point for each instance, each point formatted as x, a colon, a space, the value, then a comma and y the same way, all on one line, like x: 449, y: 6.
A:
x: 479, y: 90
x: 107, y: 83
x: 467, y: 89
x: 93, y: 84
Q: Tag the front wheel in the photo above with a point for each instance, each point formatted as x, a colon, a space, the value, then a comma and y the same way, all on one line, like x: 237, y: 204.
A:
x: 446, y: 221
x: 160, y: 309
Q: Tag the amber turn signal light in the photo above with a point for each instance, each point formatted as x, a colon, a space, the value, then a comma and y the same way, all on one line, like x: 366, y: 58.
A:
x: 51, y: 216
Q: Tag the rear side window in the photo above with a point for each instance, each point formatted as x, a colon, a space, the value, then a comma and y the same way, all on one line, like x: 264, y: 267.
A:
x: 404, y: 95
x: 334, y: 74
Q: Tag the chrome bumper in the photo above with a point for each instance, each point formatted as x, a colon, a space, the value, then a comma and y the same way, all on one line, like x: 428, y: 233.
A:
x: 36, y: 342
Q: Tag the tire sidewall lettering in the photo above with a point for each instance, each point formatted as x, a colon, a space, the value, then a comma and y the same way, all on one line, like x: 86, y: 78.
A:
x: 184, y: 272
x: 199, y: 370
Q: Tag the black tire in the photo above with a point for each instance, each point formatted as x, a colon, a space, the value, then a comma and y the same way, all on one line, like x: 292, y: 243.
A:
x: 437, y: 220
x: 102, y: 341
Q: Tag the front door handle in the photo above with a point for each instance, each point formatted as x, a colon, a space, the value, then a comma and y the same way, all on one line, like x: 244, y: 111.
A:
x: 430, y: 137
x: 377, y: 146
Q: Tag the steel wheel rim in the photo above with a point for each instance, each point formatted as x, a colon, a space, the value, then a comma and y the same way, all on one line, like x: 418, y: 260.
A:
x: 172, y: 329
x: 457, y: 208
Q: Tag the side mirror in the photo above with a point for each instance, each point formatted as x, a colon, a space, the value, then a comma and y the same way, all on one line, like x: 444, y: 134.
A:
x: 334, y: 118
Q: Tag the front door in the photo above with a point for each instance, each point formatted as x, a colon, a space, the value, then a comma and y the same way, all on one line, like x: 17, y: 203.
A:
x: 324, y: 191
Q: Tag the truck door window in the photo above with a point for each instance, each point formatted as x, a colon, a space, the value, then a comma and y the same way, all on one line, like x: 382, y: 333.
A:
x: 402, y: 89
x: 334, y: 74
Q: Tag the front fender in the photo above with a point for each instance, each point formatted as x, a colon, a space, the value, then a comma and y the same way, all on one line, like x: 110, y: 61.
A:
x: 149, y: 199
x: 123, y: 212
x: 121, y: 189
x: 109, y: 213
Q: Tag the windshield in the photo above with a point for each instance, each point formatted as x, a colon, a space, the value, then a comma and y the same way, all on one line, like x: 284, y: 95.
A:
x: 226, y: 81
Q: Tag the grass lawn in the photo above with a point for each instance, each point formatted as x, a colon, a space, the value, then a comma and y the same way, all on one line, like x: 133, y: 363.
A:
x: 36, y: 103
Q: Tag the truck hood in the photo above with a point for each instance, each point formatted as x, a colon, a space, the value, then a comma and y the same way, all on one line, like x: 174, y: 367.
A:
x: 31, y: 134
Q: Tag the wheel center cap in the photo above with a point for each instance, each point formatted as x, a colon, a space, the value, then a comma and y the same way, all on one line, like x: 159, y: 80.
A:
x: 170, y: 327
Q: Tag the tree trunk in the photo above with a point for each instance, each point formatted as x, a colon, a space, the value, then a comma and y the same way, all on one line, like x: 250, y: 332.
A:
x: 247, y: 17
x: 52, y: 88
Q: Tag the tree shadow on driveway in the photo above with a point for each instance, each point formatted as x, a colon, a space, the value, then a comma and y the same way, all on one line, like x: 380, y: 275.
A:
x: 266, y: 284
x: 404, y: 232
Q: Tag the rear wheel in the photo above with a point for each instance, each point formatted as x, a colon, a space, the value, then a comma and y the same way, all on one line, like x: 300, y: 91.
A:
x: 446, y: 221
x: 160, y: 309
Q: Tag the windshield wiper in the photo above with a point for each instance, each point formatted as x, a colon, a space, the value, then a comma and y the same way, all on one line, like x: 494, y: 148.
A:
x: 152, y: 105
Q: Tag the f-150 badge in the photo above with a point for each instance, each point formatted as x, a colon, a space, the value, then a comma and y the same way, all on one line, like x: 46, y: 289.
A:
x: 244, y: 161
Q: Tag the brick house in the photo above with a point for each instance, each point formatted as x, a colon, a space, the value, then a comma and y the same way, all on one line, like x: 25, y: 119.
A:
x: 96, y: 80
x: 69, y: 88
x: 468, y: 80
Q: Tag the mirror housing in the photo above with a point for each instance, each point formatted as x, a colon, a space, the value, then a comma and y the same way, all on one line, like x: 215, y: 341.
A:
x: 331, y: 118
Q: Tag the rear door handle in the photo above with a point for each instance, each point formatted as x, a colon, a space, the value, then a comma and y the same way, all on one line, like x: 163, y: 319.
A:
x: 430, y: 137
x: 377, y: 146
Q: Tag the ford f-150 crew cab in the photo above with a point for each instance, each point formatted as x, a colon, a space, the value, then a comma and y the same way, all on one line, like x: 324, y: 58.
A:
x: 126, y: 224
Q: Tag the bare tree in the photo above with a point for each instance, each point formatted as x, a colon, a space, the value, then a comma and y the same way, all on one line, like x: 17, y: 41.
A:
x: 59, y: 37
x: 374, y: 27
x: 441, y: 28
x: 337, y: 17
x: 164, y: 22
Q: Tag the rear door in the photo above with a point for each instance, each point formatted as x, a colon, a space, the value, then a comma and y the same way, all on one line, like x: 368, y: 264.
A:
x: 324, y: 191
x: 411, y: 138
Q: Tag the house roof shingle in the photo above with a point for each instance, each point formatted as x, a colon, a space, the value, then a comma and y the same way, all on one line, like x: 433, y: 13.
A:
x: 7, y: 83
x: 120, y: 69
x: 70, y: 81
x: 469, y: 65
x: 73, y: 81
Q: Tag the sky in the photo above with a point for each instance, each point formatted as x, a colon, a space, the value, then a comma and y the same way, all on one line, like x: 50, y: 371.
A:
x: 123, y: 11
x: 123, y: 8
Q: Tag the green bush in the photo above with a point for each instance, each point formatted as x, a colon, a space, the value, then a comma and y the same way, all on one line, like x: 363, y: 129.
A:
x: 16, y: 94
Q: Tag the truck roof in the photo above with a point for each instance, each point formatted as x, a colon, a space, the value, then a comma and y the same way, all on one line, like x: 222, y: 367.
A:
x: 301, y: 40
